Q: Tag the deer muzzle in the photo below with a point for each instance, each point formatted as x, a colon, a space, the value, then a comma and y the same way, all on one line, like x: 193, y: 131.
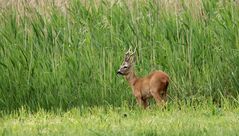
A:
x: 119, y: 73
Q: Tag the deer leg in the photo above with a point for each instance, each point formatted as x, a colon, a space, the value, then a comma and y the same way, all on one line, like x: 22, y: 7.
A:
x: 164, y: 93
x: 160, y: 99
x: 164, y: 96
x: 141, y: 102
x: 145, y: 103
x: 157, y: 98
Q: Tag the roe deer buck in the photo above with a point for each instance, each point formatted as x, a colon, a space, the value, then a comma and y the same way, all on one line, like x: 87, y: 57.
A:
x: 153, y: 85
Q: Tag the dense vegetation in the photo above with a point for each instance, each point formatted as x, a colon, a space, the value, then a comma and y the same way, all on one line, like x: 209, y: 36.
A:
x: 51, y: 59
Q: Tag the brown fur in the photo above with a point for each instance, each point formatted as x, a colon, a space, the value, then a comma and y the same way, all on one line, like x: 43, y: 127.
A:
x: 153, y: 85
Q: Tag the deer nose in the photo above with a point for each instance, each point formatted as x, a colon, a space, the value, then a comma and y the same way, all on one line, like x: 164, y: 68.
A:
x: 118, y: 72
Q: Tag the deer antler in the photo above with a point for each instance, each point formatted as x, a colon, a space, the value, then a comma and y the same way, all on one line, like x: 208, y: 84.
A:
x: 131, y: 55
x: 128, y: 55
x: 134, y: 51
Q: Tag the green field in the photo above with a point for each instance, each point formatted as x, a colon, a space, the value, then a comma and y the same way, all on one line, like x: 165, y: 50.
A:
x: 58, y: 63
x: 124, y: 121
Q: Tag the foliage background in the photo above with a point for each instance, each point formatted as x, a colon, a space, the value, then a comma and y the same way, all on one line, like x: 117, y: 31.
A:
x: 65, y: 54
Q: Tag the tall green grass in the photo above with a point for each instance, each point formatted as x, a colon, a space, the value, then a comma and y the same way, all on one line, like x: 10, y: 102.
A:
x: 51, y: 59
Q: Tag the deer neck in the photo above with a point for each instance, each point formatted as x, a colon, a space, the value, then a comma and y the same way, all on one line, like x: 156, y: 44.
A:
x: 131, y: 78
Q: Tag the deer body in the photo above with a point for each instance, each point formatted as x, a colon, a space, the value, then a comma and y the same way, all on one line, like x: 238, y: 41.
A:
x: 153, y: 85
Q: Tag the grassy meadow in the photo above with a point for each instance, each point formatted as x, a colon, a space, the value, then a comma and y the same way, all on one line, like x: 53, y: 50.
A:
x: 58, y: 63
x: 97, y: 121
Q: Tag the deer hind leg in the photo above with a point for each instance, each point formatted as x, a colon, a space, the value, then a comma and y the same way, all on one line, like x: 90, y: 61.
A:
x: 145, y: 103
x: 164, y: 92
x: 142, y: 102
x: 157, y: 98
x: 164, y: 98
x: 159, y: 95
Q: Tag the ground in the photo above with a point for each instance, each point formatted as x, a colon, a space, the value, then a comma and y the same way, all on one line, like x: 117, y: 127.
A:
x: 123, y: 121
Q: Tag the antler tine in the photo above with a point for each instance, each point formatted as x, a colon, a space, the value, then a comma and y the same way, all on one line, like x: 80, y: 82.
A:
x: 134, y: 51
x: 128, y: 51
x: 127, y: 54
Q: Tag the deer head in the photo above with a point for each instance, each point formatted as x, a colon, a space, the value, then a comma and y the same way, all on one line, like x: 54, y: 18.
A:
x: 127, y: 64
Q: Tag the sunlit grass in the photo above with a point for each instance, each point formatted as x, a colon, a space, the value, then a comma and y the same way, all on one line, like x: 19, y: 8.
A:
x: 123, y: 121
